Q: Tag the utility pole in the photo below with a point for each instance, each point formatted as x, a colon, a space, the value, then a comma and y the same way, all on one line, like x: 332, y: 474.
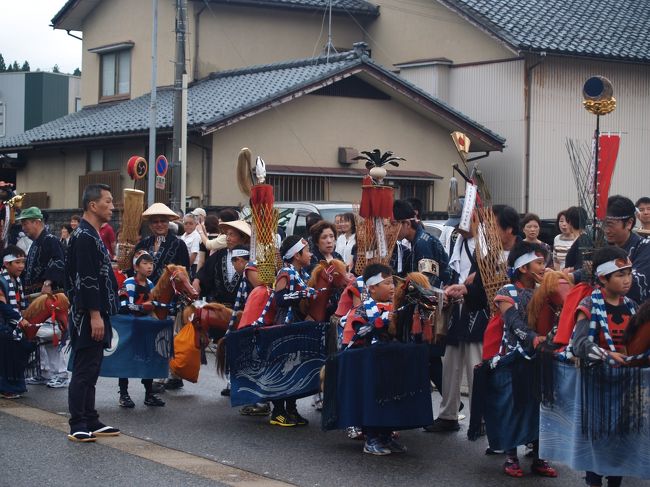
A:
x: 153, y: 109
x: 178, y: 146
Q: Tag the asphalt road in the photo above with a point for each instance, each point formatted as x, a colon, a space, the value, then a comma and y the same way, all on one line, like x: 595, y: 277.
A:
x: 199, y: 426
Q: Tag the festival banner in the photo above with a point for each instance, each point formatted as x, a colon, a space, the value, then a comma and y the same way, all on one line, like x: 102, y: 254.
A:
x: 140, y: 348
x: 599, y: 420
x: 275, y: 362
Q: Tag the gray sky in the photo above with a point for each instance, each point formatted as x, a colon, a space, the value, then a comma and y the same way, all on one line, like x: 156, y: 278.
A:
x: 26, y: 35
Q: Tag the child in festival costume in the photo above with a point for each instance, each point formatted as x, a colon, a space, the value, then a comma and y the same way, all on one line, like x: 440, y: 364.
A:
x: 248, y: 271
x: 366, y: 325
x: 526, y: 262
x: 12, y: 303
x: 290, y: 288
x: 135, y: 297
x: 602, y: 320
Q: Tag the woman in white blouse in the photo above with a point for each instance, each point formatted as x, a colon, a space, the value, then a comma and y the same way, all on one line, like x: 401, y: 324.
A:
x: 347, y: 240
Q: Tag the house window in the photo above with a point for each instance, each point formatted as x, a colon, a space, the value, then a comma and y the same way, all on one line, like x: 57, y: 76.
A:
x: 116, y: 73
x: 297, y: 188
x: 417, y: 189
x: 111, y: 159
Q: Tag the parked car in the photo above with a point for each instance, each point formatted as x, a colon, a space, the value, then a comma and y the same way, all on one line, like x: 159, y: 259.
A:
x: 295, y: 218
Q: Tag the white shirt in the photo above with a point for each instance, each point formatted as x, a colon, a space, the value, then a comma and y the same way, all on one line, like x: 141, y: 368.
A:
x: 344, y: 247
x: 192, y: 241
x: 460, y: 261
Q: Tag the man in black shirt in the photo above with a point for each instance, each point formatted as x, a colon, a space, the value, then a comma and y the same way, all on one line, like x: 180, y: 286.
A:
x: 92, y: 289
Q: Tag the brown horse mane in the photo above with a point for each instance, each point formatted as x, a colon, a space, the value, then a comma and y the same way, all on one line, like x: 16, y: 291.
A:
x: 400, y: 294
x: 339, y: 266
x: 163, y: 288
x: 549, y: 285
x: 39, y: 306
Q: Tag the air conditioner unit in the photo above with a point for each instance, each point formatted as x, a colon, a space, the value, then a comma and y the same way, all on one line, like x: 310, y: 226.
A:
x: 347, y: 154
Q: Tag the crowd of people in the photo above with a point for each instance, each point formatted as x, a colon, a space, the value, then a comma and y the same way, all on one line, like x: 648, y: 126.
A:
x: 215, y: 250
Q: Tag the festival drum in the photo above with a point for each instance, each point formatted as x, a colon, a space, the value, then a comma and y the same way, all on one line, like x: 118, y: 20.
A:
x: 597, y: 418
x: 381, y: 386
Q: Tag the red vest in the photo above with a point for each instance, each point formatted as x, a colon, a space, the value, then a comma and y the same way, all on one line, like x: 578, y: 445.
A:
x: 358, y: 315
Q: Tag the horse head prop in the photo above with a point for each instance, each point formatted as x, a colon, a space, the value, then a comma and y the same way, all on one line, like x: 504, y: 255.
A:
x: 417, y: 310
x: 47, y: 306
x: 547, y: 301
x: 173, y: 283
x: 327, y: 277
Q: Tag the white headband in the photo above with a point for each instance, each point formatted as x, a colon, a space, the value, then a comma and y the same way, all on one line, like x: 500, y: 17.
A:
x: 376, y: 279
x: 298, y: 246
x: 522, y: 260
x: 141, y: 254
x: 240, y: 253
x: 607, y: 268
x: 10, y: 258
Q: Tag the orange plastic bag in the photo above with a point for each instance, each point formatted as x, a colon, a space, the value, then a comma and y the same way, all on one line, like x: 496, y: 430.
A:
x: 187, y: 357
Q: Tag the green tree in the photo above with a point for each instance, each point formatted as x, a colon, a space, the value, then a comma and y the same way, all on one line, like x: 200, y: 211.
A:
x: 77, y: 72
x: 16, y: 66
x: 55, y: 69
x: 3, y: 66
x: 25, y: 67
x: 10, y: 68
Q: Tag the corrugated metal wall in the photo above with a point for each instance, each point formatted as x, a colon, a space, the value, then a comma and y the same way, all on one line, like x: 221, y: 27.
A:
x: 557, y: 113
x: 493, y: 94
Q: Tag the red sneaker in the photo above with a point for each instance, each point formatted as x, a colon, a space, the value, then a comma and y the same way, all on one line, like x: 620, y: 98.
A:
x: 511, y: 467
x: 541, y: 467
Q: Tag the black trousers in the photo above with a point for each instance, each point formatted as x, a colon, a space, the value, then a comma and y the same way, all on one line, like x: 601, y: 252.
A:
x: 124, y: 385
x: 81, y: 391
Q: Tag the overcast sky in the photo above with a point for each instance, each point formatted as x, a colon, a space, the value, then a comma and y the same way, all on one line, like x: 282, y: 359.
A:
x: 26, y: 35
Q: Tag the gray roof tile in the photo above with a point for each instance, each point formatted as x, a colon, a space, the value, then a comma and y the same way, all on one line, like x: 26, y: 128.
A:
x: 213, y: 100
x: 596, y: 28
x: 356, y: 7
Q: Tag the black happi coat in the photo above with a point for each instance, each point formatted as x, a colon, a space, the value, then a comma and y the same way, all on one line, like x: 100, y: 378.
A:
x: 172, y: 251
x: 44, y: 262
x: 90, y: 285
x: 213, y: 276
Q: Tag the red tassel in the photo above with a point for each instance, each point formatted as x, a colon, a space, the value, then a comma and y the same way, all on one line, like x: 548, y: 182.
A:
x: 262, y: 194
x: 376, y: 201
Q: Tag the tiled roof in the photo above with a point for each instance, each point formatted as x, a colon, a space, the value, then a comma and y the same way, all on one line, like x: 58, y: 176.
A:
x: 221, y: 98
x: 355, y: 7
x: 617, y: 29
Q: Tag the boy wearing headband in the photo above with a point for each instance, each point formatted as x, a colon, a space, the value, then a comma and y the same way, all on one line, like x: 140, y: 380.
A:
x: 135, y: 300
x: 602, y: 319
x: 290, y: 288
x: 526, y: 264
x: 366, y: 325
x: 12, y: 303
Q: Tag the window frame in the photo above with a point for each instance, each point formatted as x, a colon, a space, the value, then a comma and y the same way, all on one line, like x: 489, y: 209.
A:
x: 117, y: 53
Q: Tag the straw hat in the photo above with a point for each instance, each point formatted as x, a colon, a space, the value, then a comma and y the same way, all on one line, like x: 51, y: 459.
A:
x: 239, y: 225
x: 159, y: 209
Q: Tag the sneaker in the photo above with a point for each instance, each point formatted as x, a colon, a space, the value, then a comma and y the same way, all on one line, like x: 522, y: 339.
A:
x: 354, y: 433
x: 255, y: 410
x: 58, y: 383
x: 317, y: 403
x: 511, y: 467
x: 297, y: 419
x: 37, y: 380
x: 376, y: 447
x: 9, y: 395
x: 395, y: 447
x: 126, y: 401
x: 442, y: 426
x: 225, y: 392
x: 173, y: 384
x: 153, y: 400
x: 281, y: 418
x: 490, y: 451
x: 82, y: 436
x: 541, y: 467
